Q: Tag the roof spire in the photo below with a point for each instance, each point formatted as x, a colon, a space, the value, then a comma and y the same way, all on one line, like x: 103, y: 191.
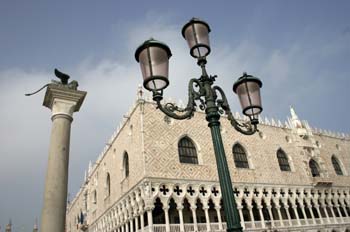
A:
x: 9, y: 226
x: 295, y: 119
x: 292, y: 112
x: 35, y: 228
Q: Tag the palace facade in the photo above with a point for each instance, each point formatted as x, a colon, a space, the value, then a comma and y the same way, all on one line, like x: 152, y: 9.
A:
x: 159, y: 175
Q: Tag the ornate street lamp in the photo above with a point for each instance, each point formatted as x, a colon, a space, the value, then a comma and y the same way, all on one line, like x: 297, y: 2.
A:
x: 153, y: 57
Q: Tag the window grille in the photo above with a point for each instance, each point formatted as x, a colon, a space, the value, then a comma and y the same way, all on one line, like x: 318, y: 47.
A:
x: 314, y: 168
x: 126, y: 164
x: 187, y: 151
x: 239, y: 156
x: 283, y: 160
x: 336, y: 166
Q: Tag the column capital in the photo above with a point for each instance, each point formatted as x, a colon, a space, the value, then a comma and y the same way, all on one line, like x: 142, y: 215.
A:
x: 62, y: 100
x: 180, y: 207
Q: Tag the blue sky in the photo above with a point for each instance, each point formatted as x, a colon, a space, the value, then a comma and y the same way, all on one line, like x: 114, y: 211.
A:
x: 299, y: 49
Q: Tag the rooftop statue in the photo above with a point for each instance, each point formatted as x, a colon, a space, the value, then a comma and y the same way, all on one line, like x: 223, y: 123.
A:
x: 63, y: 83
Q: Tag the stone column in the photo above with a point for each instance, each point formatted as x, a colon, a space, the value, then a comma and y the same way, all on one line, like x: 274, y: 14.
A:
x: 278, y: 208
x: 250, y: 208
x: 319, y: 213
x: 304, y: 214
x: 194, y: 215
x: 239, y: 207
x: 261, y: 216
x: 326, y: 212
x: 296, y: 213
x: 182, y: 227
x: 137, y: 222
x: 330, y: 205
x: 142, y: 221
x: 131, y: 224
x: 344, y: 208
x: 166, y: 214
x: 207, y: 220
x: 286, y: 207
x: 309, y: 205
x: 271, y: 215
x: 62, y: 101
x: 127, y: 225
x: 150, y: 220
x: 218, y: 208
x: 340, y: 215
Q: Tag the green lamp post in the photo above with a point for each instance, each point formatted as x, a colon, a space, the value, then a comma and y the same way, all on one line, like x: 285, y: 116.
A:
x: 153, y: 57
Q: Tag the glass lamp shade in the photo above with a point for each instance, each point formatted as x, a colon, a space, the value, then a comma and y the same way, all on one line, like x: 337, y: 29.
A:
x: 247, y: 88
x: 153, y: 57
x: 196, y: 32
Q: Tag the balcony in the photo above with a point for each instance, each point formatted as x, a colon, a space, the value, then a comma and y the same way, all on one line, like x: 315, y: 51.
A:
x: 276, y: 225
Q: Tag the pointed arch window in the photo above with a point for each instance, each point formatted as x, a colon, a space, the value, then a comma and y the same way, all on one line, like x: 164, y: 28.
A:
x: 94, y: 200
x: 187, y: 151
x: 283, y: 160
x: 108, y: 185
x: 240, y: 156
x: 314, y: 168
x: 126, y: 164
x: 336, y: 166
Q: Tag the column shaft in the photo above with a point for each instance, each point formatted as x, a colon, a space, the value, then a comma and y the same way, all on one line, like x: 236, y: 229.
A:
x: 346, y: 212
x: 127, y: 226
x: 280, y: 215
x: 136, y: 223
x: 304, y: 214
x: 326, y: 212
x: 142, y: 220
x: 261, y: 217
x: 194, y: 215
x: 241, y: 217
x: 340, y: 215
x: 218, y: 213
x: 167, y: 224
x: 319, y: 213
x: 150, y: 220
x: 251, y: 216
x: 55, y: 196
x: 288, y: 215
x: 207, y: 220
x: 296, y: 214
x: 131, y: 225
x: 312, y: 214
x: 182, y: 227
x: 271, y: 216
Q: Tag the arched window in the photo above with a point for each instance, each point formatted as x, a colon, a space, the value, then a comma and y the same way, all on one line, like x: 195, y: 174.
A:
x: 336, y: 166
x: 239, y: 156
x: 126, y: 164
x: 314, y: 168
x: 94, y: 199
x: 283, y: 160
x: 187, y: 151
x: 108, y: 185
